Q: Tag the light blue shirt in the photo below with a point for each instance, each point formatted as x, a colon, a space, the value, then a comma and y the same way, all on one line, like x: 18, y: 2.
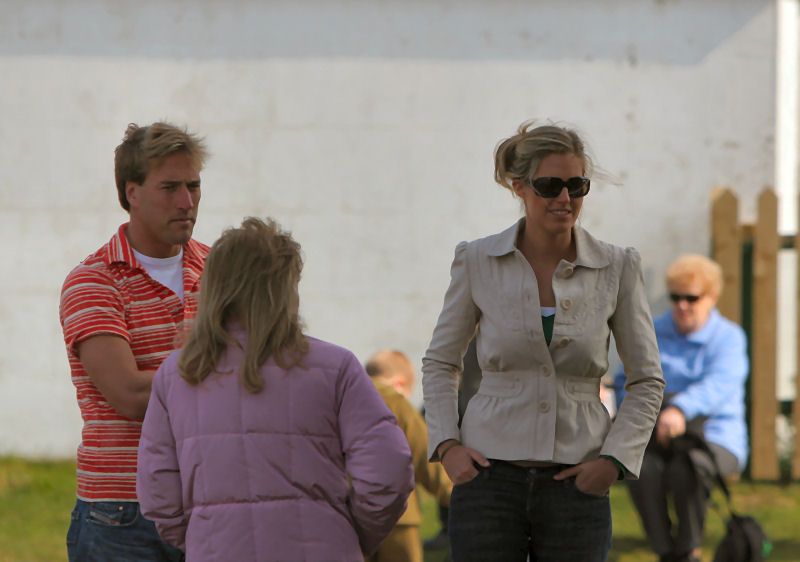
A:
x: 705, y: 372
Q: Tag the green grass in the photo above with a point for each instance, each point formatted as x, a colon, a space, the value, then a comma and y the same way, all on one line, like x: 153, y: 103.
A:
x: 36, y: 499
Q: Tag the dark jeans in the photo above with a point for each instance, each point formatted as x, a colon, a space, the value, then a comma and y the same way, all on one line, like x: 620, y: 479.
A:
x: 508, y: 513
x: 115, y: 532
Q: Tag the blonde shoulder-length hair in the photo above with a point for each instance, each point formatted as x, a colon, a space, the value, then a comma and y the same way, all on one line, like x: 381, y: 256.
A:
x: 250, y: 277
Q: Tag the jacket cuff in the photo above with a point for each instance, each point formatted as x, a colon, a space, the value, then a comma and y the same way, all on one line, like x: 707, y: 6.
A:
x: 621, y: 467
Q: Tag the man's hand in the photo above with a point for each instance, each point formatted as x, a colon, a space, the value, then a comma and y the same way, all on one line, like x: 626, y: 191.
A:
x: 593, y: 477
x: 671, y: 423
x: 459, y: 462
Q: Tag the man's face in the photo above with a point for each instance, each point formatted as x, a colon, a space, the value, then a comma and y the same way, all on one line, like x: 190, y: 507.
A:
x: 164, y: 207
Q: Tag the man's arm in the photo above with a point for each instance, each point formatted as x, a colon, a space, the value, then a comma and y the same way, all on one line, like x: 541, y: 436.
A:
x: 110, y: 364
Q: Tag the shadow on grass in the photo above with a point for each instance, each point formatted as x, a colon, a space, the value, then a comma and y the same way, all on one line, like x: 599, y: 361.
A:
x: 785, y: 550
x: 621, y: 545
x: 624, y: 544
x: 436, y: 556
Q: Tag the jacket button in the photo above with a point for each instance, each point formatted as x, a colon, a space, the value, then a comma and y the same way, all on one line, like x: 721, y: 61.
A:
x: 544, y: 407
x: 563, y: 342
x: 566, y: 303
x: 566, y: 272
x: 546, y: 370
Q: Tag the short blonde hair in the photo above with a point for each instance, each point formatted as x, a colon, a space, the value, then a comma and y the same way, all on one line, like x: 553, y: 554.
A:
x: 690, y: 268
x: 144, y: 148
x: 518, y: 157
x: 388, y: 363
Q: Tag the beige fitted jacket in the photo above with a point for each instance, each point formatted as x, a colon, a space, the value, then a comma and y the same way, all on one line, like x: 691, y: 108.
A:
x: 538, y: 402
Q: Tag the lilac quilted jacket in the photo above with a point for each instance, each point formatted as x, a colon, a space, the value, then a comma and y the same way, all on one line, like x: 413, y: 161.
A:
x: 313, y: 468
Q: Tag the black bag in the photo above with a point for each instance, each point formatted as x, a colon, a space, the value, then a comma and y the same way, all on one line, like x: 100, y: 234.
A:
x: 745, y: 539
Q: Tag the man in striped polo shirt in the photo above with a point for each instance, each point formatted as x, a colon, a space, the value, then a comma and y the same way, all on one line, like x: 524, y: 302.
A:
x: 123, y: 310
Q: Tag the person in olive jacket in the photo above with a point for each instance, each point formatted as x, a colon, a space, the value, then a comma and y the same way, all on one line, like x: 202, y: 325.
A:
x: 393, y: 375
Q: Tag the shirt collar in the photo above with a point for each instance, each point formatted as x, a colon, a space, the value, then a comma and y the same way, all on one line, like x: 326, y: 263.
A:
x: 121, y: 251
x: 590, y: 252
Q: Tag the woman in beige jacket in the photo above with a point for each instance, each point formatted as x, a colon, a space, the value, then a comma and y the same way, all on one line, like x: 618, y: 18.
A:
x: 536, y: 451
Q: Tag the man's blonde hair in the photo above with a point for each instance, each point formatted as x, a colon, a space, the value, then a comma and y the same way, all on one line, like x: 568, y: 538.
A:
x: 143, y: 148
x: 250, y: 277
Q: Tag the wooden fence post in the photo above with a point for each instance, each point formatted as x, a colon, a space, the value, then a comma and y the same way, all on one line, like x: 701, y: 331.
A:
x: 764, y: 455
x: 796, y: 415
x: 796, y: 406
x: 726, y: 236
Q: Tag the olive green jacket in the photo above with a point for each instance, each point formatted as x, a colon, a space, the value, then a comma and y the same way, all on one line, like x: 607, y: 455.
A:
x: 430, y: 476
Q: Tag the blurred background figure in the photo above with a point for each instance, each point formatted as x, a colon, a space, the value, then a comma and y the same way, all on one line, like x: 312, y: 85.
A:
x: 260, y: 442
x: 704, y: 359
x: 393, y: 375
x: 394, y: 369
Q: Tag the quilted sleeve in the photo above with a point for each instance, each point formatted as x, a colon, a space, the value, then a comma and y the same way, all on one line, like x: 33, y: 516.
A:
x: 377, y: 456
x: 158, y: 479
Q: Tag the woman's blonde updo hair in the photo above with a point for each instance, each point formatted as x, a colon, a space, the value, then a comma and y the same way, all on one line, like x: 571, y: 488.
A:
x: 518, y: 157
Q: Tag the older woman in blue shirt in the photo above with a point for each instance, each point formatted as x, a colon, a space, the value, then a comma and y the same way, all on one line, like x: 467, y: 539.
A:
x: 704, y: 359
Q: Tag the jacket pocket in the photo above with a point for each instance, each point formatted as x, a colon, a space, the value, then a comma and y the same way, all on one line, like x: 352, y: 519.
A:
x: 500, y: 385
x: 582, y: 388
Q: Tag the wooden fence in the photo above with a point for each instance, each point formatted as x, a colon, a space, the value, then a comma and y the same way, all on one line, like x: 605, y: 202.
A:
x: 748, y: 254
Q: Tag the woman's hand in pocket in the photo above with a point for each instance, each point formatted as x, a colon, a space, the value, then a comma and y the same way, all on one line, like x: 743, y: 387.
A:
x: 593, y: 477
x: 459, y: 463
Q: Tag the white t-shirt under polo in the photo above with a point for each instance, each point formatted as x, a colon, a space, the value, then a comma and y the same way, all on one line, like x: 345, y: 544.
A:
x: 167, y: 271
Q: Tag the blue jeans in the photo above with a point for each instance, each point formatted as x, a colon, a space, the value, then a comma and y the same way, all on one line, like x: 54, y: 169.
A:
x: 508, y: 513
x: 115, y: 532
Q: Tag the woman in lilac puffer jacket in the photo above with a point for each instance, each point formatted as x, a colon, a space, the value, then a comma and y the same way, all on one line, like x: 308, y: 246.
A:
x: 261, y: 443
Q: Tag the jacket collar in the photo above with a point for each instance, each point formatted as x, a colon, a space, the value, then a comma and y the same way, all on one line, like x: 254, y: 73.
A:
x: 591, y: 252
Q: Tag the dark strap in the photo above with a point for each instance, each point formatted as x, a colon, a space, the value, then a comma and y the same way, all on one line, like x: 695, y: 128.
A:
x: 694, y: 441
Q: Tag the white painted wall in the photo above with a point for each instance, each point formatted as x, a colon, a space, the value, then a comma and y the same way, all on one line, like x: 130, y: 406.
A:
x: 367, y: 128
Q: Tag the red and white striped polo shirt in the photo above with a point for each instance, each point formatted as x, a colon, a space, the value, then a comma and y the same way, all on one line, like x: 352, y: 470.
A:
x: 110, y: 293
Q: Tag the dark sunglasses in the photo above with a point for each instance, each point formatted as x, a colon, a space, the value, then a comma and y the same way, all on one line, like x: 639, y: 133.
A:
x: 691, y: 299
x: 551, y: 187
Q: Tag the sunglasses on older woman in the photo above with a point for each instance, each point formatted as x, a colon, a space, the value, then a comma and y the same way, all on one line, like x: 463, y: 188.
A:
x: 549, y: 188
x: 691, y: 299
